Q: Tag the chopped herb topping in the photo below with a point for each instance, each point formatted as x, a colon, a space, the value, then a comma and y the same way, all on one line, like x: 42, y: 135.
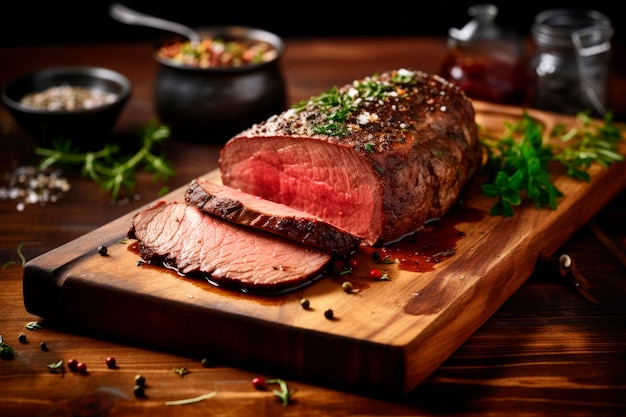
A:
x: 336, y: 105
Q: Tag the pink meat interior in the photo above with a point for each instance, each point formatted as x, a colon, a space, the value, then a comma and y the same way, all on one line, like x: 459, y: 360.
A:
x: 332, y: 182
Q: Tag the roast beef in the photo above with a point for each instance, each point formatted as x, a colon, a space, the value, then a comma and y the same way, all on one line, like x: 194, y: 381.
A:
x: 194, y: 243
x: 377, y: 157
x: 247, y: 209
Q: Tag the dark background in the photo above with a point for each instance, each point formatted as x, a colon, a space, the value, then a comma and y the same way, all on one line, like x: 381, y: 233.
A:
x: 63, y: 21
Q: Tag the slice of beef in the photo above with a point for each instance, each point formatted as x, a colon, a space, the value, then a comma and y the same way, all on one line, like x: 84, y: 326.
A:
x: 195, y: 243
x: 378, y: 157
x: 246, y: 209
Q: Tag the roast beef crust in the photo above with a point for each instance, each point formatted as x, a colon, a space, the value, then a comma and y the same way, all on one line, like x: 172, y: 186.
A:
x: 422, y: 143
x: 281, y: 220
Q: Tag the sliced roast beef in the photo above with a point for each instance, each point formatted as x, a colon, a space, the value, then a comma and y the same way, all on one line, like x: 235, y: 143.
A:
x: 378, y: 157
x: 195, y: 243
x: 246, y: 209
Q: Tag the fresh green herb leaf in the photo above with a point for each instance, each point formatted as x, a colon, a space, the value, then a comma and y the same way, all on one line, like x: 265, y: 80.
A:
x: 284, y: 394
x: 111, y: 170
x: 182, y: 371
x: 192, y: 400
x: 57, y: 367
x: 21, y: 256
x: 6, y: 351
x: 33, y: 325
x: 517, y: 164
x: 335, y: 105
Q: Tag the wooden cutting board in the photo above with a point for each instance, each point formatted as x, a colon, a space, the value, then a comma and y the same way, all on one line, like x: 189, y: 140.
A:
x: 385, y: 338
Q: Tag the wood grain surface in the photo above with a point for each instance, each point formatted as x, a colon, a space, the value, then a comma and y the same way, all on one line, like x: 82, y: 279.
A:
x: 545, y: 352
x: 387, y: 337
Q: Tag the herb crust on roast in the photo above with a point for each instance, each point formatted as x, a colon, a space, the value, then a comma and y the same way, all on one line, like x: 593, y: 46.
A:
x: 378, y: 157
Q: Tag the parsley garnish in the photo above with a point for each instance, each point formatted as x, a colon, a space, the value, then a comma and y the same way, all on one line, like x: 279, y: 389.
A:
x: 517, y: 164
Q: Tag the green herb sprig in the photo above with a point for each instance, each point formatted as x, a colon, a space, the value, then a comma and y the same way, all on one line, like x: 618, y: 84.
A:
x: 6, y: 351
x: 192, y: 400
x: 517, y: 164
x: 21, y: 256
x: 336, y: 106
x: 113, y: 171
x: 284, y: 394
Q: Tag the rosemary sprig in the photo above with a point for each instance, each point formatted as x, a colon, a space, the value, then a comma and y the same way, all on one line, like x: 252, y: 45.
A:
x: 111, y: 170
x: 517, y: 164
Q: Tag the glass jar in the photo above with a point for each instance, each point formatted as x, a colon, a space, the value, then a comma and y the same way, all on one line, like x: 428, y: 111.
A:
x: 571, y: 61
x: 486, y: 61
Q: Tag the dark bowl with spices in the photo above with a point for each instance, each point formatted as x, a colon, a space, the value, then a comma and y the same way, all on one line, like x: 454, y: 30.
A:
x: 80, y: 104
x: 208, y: 92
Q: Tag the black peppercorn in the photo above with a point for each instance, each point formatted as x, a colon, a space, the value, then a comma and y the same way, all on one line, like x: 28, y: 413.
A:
x: 140, y: 380
x: 329, y: 314
x: 139, y: 391
x: 102, y: 250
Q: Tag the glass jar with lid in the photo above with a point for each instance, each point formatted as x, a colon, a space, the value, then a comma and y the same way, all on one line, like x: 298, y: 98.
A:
x: 571, y: 61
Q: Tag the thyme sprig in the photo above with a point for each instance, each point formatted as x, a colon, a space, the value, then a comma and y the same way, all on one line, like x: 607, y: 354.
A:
x: 517, y: 164
x: 113, y: 171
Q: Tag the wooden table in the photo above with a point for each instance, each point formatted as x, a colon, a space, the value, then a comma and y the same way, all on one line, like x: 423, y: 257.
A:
x: 547, y: 351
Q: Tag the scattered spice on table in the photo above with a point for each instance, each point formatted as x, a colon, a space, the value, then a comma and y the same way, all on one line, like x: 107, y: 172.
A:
x: 31, y: 185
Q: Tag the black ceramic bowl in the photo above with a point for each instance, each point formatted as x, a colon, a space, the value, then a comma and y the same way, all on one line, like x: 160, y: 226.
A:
x: 87, y: 128
x: 209, y: 105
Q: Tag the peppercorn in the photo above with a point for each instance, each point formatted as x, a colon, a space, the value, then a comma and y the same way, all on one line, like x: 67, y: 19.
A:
x: 375, y: 274
x: 81, y: 367
x: 139, y: 391
x: 329, y: 314
x: 140, y: 380
x: 102, y: 250
x: 111, y: 362
x: 258, y: 383
x: 43, y: 346
x: 347, y: 287
x: 305, y: 303
x: 22, y: 338
x: 206, y: 363
x: 352, y: 263
x: 71, y: 364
